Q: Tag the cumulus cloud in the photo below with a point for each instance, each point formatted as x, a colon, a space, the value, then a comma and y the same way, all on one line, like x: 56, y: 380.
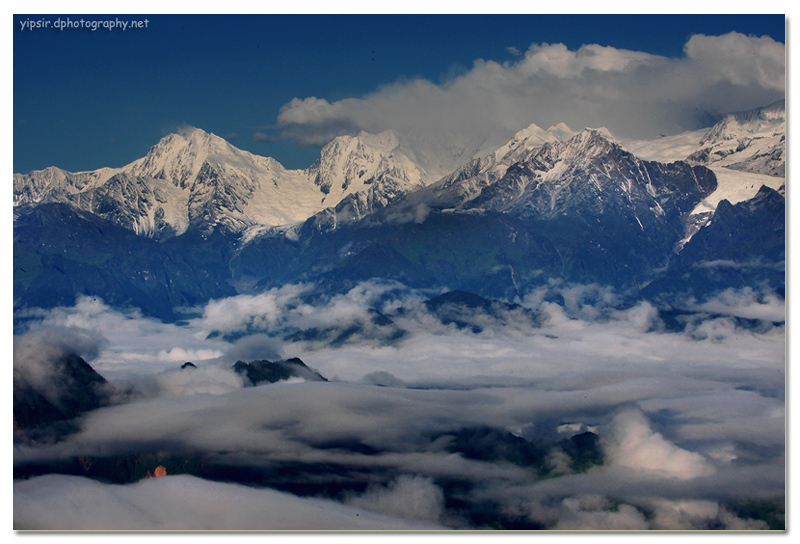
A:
x: 635, y: 94
x: 558, y: 60
x: 739, y: 59
x: 249, y: 312
x: 642, y: 317
x: 633, y: 444
x: 296, y: 307
x: 254, y: 347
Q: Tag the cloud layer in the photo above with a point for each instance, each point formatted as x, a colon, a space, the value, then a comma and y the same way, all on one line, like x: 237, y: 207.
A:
x: 689, y: 425
x: 634, y: 94
x: 183, y: 503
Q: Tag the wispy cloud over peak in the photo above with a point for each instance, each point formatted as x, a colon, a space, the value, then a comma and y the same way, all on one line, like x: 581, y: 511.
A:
x: 635, y: 94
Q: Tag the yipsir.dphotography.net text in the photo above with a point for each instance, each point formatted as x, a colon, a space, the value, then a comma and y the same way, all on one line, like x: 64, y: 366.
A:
x: 83, y: 24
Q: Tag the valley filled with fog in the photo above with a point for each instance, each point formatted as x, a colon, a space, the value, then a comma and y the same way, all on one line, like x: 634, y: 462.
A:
x: 568, y: 410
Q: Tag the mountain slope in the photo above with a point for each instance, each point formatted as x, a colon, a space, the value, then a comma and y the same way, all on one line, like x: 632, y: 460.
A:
x: 583, y: 210
x: 61, y: 253
x: 68, y: 388
x: 743, y: 246
x: 745, y: 150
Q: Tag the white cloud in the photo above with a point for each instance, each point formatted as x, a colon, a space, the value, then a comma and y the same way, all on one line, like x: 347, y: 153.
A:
x: 36, y: 352
x: 747, y: 303
x: 633, y: 444
x: 635, y: 94
x: 557, y: 60
x: 595, y: 513
x: 409, y: 497
x: 129, y: 342
x: 248, y: 312
x: 688, y: 515
x: 739, y: 59
x: 175, y: 503
x: 209, y: 380
x: 642, y: 317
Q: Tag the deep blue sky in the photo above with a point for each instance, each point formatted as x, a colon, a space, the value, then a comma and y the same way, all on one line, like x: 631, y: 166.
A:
x: 85, y: 99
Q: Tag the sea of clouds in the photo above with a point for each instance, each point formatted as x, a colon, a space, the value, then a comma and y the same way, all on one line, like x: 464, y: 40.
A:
x: 689, y: 421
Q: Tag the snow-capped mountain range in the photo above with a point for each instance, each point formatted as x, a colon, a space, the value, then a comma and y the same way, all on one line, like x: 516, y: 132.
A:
x: 584, y: 174
x: 197, y: 218
x: 199, y: 180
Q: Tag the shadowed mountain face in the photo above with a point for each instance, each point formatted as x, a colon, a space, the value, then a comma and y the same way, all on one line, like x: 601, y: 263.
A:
x: 60, y: 252
x: 68, y: 388
x: 744, y: 245
x: 273, y: 371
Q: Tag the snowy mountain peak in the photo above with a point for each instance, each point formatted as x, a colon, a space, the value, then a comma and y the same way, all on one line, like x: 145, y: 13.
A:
x: 759, y: 121
x: 524, y: 140
x: 588, y: 175
x: 605, y: 132
x: 180, y: 157
x: 561, y: 131
x: 350, y: 164
x: 586, y: 144
x: 386, y: 140
x: 749, y: 141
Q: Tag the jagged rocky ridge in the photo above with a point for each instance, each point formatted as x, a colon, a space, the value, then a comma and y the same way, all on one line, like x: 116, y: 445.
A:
x: 586, y: 176
x: 261, y: 371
